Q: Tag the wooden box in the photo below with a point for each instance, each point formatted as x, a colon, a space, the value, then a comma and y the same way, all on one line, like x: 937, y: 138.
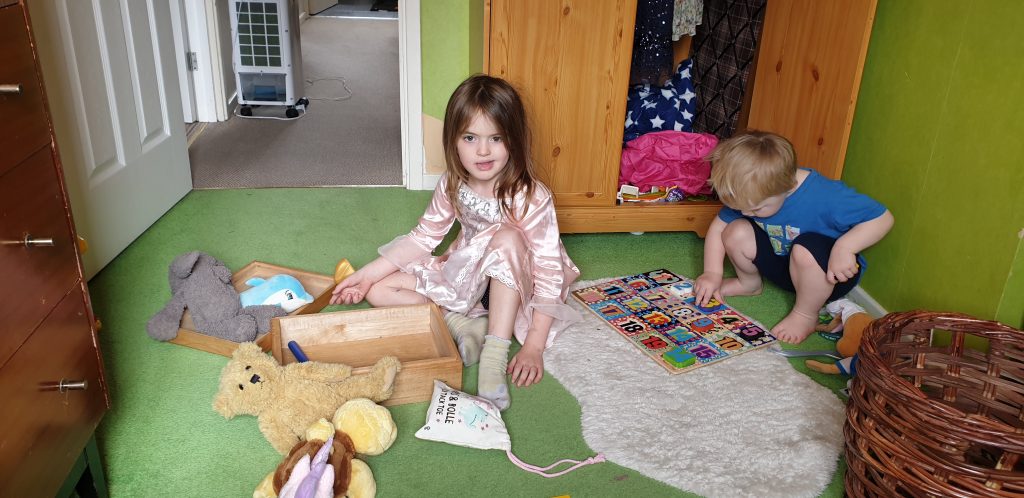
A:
x: 319, y: 286
x: 416, y: 335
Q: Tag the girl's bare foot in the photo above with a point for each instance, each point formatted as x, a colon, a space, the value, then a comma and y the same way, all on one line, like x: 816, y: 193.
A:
x: 795, y: 327
x: 736, y: 287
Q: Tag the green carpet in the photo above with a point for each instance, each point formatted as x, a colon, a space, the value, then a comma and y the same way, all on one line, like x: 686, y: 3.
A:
x: 162, y: 438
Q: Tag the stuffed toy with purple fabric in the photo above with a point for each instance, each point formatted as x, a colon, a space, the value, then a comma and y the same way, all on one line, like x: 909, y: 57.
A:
x: 325, y: 463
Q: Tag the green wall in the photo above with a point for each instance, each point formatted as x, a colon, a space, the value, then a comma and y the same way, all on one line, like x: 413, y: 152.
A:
x: 1011, y: 306
x: 939, y: 138
x: 451, y: 38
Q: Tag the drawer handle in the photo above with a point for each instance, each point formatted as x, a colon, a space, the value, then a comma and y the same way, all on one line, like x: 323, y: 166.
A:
x: 34, y: 242
x: 14, y: 89
x: 72, y: 385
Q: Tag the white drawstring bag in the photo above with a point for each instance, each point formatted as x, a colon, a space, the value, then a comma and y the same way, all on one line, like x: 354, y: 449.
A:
x: 462, y: 419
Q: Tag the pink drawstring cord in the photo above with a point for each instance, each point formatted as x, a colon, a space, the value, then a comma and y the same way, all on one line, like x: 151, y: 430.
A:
x: 541, y: 471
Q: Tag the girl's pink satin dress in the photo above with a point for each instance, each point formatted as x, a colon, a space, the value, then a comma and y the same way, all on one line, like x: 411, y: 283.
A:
x: 526, y: 255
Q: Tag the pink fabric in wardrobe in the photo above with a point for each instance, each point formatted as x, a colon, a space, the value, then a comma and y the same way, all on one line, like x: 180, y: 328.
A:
x: 668, y: 158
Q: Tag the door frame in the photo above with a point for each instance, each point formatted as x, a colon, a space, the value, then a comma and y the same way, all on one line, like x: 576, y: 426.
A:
x: 414, y: 177
x: 200, y: 30
x: 179, y: 27
x: 411, y: 97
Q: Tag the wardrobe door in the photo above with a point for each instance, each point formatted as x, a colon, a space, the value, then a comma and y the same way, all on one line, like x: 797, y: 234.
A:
x: 808, y: 75
x: 570, y: 60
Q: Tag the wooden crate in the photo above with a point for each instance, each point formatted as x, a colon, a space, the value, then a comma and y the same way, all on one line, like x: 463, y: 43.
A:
x: 416, y: 335
x: 319, y: 286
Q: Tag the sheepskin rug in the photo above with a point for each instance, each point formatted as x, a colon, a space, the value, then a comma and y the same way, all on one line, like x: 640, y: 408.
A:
x: 747, y: 426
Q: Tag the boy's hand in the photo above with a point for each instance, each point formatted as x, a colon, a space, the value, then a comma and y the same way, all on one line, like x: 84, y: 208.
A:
x: 351, y: 290
x: 527, y: 366
x: 707, y: 286
x: 842, y: 265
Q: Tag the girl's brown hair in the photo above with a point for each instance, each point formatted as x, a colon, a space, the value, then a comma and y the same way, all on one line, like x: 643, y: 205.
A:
x: 496, y: 99
x: 751, y: 167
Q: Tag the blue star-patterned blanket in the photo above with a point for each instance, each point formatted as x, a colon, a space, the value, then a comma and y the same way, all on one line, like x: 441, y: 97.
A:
x: 671, y: 107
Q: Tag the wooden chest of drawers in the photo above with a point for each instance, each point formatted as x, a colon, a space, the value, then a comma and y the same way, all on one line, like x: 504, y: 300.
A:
x: 23, y: 128
x: 51, y: 376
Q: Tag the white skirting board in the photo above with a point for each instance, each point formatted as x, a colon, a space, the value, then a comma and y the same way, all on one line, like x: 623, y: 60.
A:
x: 861, y: 297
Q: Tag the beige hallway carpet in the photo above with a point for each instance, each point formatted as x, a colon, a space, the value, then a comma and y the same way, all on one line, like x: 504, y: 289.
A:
x: 356, y: 141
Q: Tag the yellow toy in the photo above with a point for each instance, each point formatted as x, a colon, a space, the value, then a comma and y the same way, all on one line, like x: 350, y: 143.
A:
x: 343, y: 270
x: 287, y: 400
x: 852, y: 320
x: 360, y: 426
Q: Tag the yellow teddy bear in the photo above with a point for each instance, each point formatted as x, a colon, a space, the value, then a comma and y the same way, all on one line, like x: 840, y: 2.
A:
x: 288, y: 399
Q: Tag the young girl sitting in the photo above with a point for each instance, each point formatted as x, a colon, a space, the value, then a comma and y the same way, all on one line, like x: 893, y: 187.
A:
x: 508, y: 261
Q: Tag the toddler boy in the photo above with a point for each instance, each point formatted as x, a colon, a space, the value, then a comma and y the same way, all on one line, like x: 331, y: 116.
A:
x: 802, y: 231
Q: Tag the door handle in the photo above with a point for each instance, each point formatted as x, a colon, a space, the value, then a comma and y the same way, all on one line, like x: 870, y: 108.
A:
x: 29, y: 241
x: 11, y: 89
x: 72, y: 385
x: 65, y: 385
x: 34, y: 242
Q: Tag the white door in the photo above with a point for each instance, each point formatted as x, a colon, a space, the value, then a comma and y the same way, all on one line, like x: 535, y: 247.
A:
x: 109, y: 70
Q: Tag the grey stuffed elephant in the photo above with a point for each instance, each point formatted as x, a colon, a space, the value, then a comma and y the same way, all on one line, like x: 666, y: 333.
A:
x: 202, y: 284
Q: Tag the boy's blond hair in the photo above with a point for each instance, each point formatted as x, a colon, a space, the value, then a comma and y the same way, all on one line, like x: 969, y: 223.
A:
x: 751, y: 167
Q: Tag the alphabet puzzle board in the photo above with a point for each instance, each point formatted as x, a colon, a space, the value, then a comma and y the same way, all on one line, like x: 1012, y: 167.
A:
x: 658, y: 313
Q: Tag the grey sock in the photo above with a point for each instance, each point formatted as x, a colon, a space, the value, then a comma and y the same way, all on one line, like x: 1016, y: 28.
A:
x: 468, y: 334
x: 491, y: 377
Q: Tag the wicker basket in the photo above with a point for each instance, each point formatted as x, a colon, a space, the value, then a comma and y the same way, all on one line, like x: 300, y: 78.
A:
x: 927, y: 420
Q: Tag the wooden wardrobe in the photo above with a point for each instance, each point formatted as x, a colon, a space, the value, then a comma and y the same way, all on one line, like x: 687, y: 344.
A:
x: 571, y: 61
x: 52, y: 390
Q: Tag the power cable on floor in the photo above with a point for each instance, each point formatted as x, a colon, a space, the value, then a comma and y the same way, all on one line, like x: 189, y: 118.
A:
x: 344, y: 84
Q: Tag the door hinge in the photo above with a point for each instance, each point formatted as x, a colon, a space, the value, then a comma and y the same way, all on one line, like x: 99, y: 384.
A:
x: 191, y: 61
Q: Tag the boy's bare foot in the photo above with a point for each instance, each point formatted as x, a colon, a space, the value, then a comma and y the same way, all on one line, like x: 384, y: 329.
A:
x: 735, y: 287
x: 795, y: 327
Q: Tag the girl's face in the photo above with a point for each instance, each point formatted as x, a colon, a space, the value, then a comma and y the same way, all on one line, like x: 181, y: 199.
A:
x: 483, y: 153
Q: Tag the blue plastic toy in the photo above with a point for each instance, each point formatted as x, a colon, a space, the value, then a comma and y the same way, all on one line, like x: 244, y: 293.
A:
x: 283, y: 290
x: 300, y: 355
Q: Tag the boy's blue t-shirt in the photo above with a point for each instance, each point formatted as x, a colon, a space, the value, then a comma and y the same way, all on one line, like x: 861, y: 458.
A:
x: 819, y: 205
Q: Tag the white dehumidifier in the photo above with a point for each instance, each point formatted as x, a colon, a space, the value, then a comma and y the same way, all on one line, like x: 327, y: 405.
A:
x: 267, y: 54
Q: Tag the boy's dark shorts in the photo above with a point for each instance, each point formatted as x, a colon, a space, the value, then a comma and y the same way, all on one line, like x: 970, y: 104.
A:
x: 776, y: 268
